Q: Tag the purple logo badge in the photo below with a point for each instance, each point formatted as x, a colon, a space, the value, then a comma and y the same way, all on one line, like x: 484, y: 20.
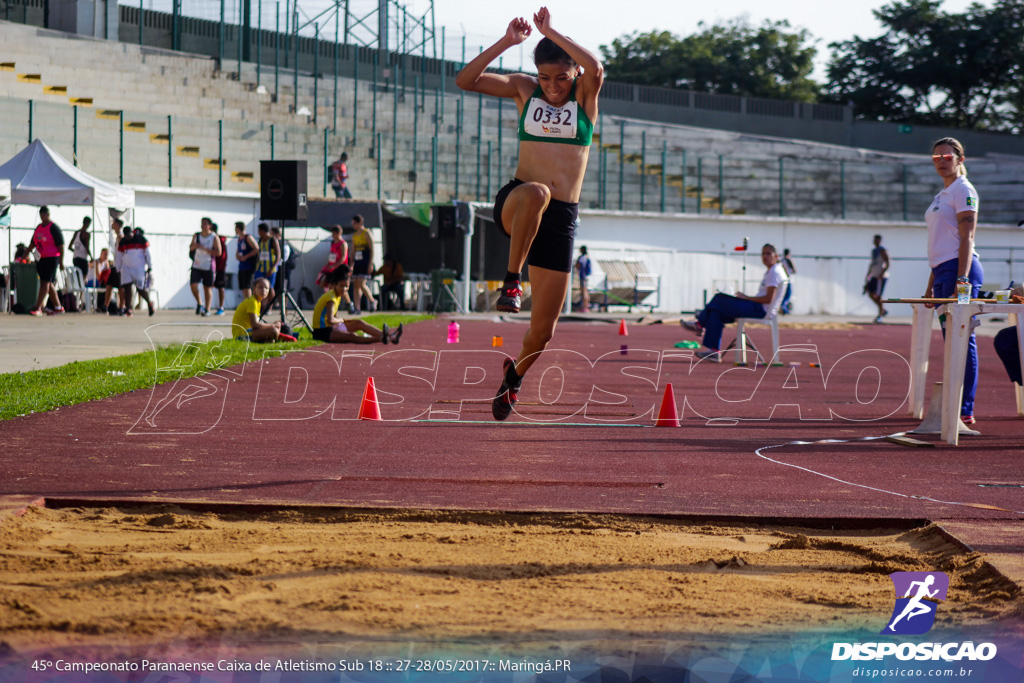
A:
x: 917, y: 597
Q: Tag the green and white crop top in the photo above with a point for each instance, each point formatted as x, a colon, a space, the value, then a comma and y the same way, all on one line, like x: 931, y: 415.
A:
x: 543, y: 122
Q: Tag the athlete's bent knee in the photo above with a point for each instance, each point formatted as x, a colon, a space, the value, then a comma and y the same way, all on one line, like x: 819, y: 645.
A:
x: 537, y: 193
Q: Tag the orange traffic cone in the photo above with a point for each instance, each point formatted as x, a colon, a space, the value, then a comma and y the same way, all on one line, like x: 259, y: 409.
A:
x: 668, y: 416
x: 622, y: 328
x: 369, y: 409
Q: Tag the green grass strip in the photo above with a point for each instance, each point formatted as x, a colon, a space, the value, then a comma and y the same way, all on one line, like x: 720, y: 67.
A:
x: 39, y: 391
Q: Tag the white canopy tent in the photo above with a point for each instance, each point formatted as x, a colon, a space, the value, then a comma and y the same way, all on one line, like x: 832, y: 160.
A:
x: 40, y: 176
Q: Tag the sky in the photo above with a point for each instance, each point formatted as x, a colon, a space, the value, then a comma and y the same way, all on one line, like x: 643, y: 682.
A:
x: 591, y: 23
x: 597, y: 22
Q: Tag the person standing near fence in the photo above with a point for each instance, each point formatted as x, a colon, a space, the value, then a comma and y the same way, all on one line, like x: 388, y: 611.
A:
x: 952, y: 219
x: 220, y: 265
x: 584, y: 269
x: 878, y: 275
x: 48, y: 241
x: 268, y: 258
x: 362, y: 265
x: 339, y: 177
x: 113, y: 281
x: 205, y: 248
x: 538, y: 210
x: 136, y: 266
x: 246, y: 254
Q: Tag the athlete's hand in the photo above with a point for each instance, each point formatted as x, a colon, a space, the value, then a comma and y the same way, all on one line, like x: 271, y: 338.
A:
x: 543, y: 21
x: 519, y: 30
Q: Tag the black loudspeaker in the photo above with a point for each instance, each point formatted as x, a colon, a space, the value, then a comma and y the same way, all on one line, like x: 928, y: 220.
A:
x: 283, y: 190
x: 444, y: 225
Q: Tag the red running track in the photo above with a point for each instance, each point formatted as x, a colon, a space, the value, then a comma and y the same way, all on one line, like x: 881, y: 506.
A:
x: 282, y: 432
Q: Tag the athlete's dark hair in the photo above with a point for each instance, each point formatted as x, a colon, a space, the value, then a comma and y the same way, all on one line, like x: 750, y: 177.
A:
x: 548, y: 52
x: 339, y: 274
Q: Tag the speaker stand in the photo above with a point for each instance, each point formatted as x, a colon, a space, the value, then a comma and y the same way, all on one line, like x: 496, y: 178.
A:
x: 446, y: 291
x: 297, y: 317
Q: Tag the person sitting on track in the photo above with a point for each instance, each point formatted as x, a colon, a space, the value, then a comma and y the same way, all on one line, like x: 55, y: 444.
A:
x: 539, y: 208
x: 327, y: 327
x: 1006, y: 343
x: 245, y: 324
x: 725, y: 308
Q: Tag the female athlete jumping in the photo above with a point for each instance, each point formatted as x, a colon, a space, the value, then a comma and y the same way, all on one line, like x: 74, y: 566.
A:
x: 538, y: 209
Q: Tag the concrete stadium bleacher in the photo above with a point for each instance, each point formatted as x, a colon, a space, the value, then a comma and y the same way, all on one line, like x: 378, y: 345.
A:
x: 141, y: 86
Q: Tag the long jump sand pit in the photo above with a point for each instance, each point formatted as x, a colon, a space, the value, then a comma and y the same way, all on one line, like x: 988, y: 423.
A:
x: 85, y: 577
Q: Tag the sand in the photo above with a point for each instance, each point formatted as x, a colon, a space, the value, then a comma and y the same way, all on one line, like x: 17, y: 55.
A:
x: 86, y: 577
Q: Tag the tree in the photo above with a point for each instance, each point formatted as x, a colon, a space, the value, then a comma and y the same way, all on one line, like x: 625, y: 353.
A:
x: 733, y: 58
x: 936, y: 68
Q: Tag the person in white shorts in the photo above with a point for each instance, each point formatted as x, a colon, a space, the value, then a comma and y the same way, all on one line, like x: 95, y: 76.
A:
x: 136, y: 263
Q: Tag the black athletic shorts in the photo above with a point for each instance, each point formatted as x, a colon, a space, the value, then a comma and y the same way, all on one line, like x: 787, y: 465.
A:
x: 219, y: 279
x: 114, y: 279
x: 552, y: 247
x: 245, y: 279
x: 46, y: 268
x: 322, y: 333
x: 361, y: 267
x: 203, y: 277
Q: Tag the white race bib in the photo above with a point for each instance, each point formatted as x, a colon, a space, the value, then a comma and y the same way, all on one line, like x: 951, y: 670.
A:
x: 546, y: 121
x: 264, y: 255
x: 332, y: 258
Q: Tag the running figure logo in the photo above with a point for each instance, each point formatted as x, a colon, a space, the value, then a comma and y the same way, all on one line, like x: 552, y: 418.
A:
x: 914, y: 612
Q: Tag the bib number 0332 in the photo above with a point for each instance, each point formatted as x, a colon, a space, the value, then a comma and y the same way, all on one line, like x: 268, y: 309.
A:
x: 543, y: 120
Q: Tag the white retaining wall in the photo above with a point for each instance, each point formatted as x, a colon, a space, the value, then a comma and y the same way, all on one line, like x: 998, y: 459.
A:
x: 692, y: 253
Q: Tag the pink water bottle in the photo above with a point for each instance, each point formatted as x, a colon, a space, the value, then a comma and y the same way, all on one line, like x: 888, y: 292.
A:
x: 453, y: 332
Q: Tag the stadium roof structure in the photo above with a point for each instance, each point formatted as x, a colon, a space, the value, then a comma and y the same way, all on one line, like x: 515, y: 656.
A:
x: 41, y: 176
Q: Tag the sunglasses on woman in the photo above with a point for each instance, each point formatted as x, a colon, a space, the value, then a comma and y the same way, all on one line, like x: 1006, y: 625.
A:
x: 943, y: 157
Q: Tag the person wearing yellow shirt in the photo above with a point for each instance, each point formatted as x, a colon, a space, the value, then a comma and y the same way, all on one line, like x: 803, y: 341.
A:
x: 362, y: 265
x: 246, y: 322
x: 327, y: 327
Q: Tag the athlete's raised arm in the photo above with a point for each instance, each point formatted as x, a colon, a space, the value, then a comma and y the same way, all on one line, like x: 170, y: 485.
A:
x: 473, y: 77
x: 593, y: 70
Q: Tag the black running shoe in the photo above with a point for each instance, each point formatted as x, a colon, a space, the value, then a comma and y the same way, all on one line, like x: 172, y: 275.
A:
x: 511, y: 299
x: 385, y: 334
x: 501, y: 406
x: 397, y: 334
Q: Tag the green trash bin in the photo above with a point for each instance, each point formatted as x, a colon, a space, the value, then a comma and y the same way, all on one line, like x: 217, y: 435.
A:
x: 26, y: 282
x: 444, y: 299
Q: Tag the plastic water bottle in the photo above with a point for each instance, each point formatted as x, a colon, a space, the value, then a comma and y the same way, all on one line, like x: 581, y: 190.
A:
x: 453, y: 332
x: 963, y: 291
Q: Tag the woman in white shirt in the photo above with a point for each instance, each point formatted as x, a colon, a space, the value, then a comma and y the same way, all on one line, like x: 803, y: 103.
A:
x: 952, y: 220
x: 725, y: 308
